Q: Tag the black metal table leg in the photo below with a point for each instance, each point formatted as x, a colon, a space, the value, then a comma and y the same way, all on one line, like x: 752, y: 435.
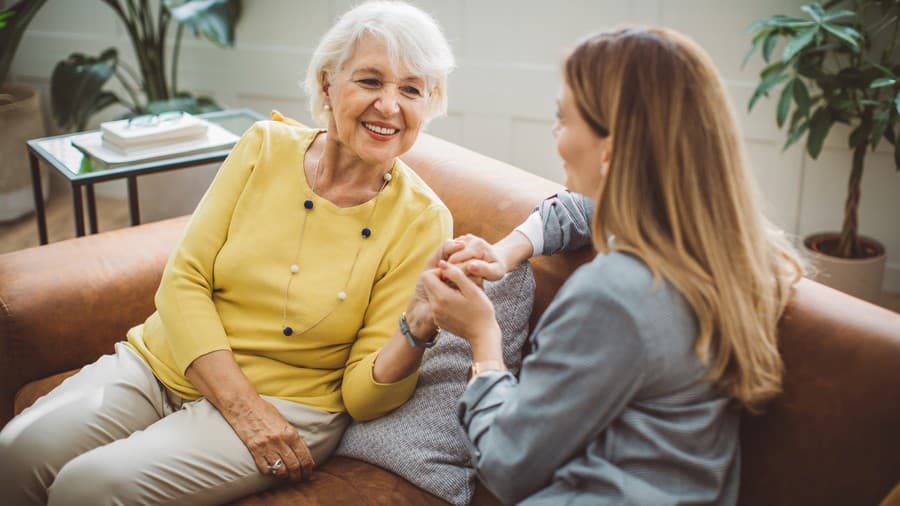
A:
x: 133, y: 207
x: 38, y: 197
x: 91, y: 207
x: 79, y: 210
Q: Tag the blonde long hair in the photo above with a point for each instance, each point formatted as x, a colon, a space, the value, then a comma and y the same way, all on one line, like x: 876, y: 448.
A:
x: 679, y: 196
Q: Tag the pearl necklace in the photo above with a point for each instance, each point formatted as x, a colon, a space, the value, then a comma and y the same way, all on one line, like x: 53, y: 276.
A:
x: 366, y: 232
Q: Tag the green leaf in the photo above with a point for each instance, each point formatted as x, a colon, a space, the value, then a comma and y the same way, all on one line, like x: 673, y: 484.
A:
x: 757, y: 40
x: 784, y: 103
x: 814, y: 10
x: 819, y: 126
x: 860, y: 135
x: 881, y: 123
x: 795, y: 134
x: 763, y: 89
x: 801, y: 96
x: 838, y: 14
x: 897, y: 103
x: 800, y: 41
x: 3, y: 16
x: 772, y: 68
x: 882, y: 82
x: 214, y: 19
x: 780, y: 21
x: 845, y: 33
x: 75, y: 86
x: 16, y: 18
x: 769, y: 45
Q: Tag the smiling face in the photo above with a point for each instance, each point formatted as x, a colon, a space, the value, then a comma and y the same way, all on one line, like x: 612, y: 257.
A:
x: 377, y: 110
x: 585, y: 154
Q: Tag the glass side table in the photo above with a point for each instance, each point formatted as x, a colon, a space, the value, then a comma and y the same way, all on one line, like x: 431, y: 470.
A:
x: 82, y: 172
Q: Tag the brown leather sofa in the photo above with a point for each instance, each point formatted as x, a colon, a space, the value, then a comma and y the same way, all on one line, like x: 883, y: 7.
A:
x: 833, y: 437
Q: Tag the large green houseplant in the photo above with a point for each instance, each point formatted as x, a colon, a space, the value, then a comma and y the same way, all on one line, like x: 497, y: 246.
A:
x: 838, y: 63
x: 77, y: 84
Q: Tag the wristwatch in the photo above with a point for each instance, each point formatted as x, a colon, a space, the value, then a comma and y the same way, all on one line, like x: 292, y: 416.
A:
x: 411, y: 339
x: 487, y: 365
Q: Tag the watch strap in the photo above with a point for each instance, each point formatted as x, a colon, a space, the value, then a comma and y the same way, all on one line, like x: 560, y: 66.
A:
x: 411, y: 339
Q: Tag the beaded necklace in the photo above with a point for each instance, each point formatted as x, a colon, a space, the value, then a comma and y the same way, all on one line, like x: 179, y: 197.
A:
x: 365, y: 233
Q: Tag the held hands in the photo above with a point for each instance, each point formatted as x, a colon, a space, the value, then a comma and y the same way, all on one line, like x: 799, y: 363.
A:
x: 459, y: 305
x: 479, y: 259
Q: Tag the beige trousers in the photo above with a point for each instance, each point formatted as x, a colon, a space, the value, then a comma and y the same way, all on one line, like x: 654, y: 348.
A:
x: 113, y: 435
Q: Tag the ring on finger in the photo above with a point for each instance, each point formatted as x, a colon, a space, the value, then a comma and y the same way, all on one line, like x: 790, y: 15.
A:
x: 274, y: 468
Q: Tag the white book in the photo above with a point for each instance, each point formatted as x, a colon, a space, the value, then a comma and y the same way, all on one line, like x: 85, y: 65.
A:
x: 137, y: 133
x: 92, y: 144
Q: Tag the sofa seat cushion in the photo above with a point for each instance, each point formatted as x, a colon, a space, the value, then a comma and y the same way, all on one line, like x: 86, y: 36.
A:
x: 346, y: 481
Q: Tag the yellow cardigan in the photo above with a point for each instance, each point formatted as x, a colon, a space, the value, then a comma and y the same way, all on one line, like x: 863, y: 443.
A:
x: 224, y: 286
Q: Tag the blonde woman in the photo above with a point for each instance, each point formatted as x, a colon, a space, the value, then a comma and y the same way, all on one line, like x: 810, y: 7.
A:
x: 642, y: 360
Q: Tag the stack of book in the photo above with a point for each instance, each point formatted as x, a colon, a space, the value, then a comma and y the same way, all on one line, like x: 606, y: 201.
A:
x: 142, y: 132
x: 145, y: 139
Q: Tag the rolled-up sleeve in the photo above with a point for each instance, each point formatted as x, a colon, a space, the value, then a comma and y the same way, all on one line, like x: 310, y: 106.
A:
x: 566, y: 219
x: 586, y: 367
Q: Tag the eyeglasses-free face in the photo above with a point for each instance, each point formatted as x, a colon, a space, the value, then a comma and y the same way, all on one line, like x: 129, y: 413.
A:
x: 377, y: 110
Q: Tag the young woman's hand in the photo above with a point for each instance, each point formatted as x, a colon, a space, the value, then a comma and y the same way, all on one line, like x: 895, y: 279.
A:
x: 479, y: 259
x: 461, y: 307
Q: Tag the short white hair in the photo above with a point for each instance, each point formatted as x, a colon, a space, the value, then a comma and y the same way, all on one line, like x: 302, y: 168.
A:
x: 412, y: 37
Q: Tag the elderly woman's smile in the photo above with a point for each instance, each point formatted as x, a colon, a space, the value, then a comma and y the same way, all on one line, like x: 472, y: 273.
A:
x: 377, y: 107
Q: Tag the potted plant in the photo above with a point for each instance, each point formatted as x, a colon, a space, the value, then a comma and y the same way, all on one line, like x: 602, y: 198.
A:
x: 838, y: 64
x: 76, y: 86
x: 20, y: 116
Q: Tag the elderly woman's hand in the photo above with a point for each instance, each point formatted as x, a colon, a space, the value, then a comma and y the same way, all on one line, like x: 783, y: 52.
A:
x: 460, y: 306
x: 274, y: 443
x: 419, y: 313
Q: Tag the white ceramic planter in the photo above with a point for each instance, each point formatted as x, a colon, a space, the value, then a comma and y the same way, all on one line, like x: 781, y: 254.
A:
x: 861, y: 278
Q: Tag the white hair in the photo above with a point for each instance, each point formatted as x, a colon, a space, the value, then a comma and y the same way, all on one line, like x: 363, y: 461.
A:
x: 412, y: 37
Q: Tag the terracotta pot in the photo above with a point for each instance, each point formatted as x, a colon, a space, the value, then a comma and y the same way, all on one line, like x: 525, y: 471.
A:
x: 860, y: 277
x: 20, y: 120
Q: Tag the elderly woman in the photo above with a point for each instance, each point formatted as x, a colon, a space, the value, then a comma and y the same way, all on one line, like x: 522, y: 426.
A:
x: 279, y: 313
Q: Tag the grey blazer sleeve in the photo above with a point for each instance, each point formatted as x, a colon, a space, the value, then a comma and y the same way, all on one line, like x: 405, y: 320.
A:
x: 587, y: 365
x: 567, y: 222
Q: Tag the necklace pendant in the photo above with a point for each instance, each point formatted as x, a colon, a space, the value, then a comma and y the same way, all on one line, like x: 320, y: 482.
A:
x: 288, y: 331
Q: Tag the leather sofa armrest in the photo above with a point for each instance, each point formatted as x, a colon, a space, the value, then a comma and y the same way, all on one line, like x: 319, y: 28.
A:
x: 63, y: 305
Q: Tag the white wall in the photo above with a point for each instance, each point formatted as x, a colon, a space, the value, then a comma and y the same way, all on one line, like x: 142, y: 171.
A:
x: 502, y: 95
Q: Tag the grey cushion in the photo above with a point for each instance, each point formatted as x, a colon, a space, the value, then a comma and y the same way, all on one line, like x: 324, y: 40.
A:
x: 421, y: 440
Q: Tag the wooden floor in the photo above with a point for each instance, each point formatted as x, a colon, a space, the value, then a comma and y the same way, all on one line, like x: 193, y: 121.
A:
x: 113, y: 214
x: 23, y: 233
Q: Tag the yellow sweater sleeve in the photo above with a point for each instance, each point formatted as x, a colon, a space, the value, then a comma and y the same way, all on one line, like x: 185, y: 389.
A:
x: 364, y: 398
x: 185, y: 296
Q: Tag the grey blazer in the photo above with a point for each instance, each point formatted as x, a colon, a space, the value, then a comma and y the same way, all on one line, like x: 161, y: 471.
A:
x: 612, y: 406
